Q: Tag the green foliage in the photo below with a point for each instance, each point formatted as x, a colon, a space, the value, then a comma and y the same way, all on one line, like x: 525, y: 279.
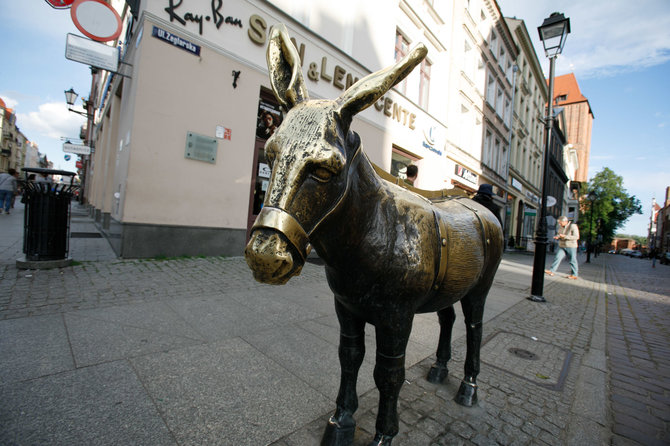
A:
x: 609, y: 210
x: 639, y: 239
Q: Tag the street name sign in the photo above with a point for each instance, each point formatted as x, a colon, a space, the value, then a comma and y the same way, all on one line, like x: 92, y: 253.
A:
x: 79, y: 149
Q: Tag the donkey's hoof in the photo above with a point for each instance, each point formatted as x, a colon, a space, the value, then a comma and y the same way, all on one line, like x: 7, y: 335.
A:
x: 337, y: 434
x: 381, y: 440
x: 467, y: 394
x: 437, y: 374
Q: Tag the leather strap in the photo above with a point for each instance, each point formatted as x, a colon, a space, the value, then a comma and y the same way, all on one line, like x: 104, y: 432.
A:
x: 442, y: 241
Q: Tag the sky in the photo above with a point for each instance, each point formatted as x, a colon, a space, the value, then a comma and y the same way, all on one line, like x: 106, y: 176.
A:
x: 619, y: 52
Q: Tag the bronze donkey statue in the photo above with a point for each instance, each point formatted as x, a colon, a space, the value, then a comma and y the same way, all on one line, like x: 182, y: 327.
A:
x: 389, y: 252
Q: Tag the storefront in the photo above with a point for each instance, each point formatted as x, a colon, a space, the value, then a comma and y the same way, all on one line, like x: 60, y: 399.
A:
x: 179, y: 166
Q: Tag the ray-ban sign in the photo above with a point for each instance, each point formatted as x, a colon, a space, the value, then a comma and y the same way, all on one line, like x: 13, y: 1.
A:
x: 76, y: 148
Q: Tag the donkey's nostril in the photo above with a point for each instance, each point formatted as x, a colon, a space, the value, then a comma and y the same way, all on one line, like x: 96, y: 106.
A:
x: 269, y: 258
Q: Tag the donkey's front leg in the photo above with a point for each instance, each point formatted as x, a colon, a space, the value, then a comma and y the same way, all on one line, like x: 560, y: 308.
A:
x: 389, y: 377
x: 340, y: 428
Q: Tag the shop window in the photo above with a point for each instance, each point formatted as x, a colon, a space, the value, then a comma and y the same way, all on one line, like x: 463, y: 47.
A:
x: 400, y: 159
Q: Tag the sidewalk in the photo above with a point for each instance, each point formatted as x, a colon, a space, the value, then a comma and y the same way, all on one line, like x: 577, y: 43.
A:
x: 194, y: 352
x: 86, y: 242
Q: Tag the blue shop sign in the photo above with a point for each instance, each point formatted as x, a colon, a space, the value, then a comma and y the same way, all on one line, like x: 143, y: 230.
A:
x: 175, y: 40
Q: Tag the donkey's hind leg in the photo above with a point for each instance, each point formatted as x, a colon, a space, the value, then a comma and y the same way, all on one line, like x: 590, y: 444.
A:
x: 473, y: 312
x: 340, y: 428
x: 438, y: 372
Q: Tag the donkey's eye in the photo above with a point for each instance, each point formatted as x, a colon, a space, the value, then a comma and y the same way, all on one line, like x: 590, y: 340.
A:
x: 321, y: 174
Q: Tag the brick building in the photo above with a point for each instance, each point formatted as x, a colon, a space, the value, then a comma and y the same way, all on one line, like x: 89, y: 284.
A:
x: 578, y: 120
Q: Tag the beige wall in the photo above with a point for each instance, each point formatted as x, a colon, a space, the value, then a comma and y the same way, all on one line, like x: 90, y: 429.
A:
x: 179, y: 92
x: 140, y: 149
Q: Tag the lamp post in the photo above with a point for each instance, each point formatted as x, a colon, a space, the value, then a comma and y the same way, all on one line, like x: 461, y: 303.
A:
x: 592, y: 198
x: 70, y: 98
x: 553, y: 33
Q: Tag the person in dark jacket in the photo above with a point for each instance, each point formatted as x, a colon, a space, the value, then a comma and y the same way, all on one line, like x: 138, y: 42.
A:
x: 484, y: 197
x: 412, y: 172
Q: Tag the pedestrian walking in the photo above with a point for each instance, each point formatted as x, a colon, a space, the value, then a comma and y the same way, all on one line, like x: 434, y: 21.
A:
x: 8, y: 188
x: 567, y: 236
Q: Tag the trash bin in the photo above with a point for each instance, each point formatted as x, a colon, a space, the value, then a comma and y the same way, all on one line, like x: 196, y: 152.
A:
x: 46, y: 221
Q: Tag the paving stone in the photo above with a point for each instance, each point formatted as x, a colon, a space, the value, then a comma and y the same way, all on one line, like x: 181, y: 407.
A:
x: 207, y: 345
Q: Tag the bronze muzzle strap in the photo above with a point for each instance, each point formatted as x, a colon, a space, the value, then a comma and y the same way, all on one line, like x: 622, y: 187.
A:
x: 282, y: 221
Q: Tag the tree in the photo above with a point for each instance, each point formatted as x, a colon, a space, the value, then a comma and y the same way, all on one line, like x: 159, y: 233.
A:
x: 611, y: 206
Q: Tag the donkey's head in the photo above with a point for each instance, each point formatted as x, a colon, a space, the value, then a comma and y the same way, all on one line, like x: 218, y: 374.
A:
x: 310, y: 155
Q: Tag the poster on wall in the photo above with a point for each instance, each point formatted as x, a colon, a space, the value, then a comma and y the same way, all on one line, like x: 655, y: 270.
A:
x: 269, y: 118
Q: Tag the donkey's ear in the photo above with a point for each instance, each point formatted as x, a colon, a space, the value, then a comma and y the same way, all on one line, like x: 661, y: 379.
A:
x: 368, y: 90
x: 284, y: 66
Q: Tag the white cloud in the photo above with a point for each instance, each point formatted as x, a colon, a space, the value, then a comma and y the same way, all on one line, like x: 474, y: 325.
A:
x: 607, y: 36
x: 9, y: 101
x: 52, y: 120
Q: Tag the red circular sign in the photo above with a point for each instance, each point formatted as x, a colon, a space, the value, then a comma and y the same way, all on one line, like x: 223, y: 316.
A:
x: 96, y: 19
x: 79, y: 164
x: 60, y: 4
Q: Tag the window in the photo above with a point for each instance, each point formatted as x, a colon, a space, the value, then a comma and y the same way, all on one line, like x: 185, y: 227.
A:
x: 499, y: 102
x: 487, y: 148
x: 508, y: 111
x: 464, y: 126
x: 399, y: 162
x: 503, y: 57
x: 561, y: 98
x: 424, y: 84
x: 401, y: 50
x: 481, y: 74
x: 495, y: 162
x: 494, y: 43
x: 491, y: 90
x: 469, y: 63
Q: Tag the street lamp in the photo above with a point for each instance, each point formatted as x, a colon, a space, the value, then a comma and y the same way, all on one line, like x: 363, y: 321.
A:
x: 553, y: 33
x: 592, y: 198
x: 70, y: 98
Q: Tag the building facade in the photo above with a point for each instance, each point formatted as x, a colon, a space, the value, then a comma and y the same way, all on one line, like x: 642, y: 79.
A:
x: 482, y: 55
x: 13, y: 143
x: 178, y: 164
x: 578, y: 120
x: 527, y: 142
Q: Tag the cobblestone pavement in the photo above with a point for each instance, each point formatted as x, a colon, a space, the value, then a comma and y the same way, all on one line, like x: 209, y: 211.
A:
x: 199, y: 353
x: 638, y: 331
x: 555, y: 397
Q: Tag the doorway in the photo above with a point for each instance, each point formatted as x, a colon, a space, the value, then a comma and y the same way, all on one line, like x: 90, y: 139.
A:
x: 268, y: 118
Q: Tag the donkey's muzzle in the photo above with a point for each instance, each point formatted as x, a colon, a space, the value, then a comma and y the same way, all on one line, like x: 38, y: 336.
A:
x: 278, y: 247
